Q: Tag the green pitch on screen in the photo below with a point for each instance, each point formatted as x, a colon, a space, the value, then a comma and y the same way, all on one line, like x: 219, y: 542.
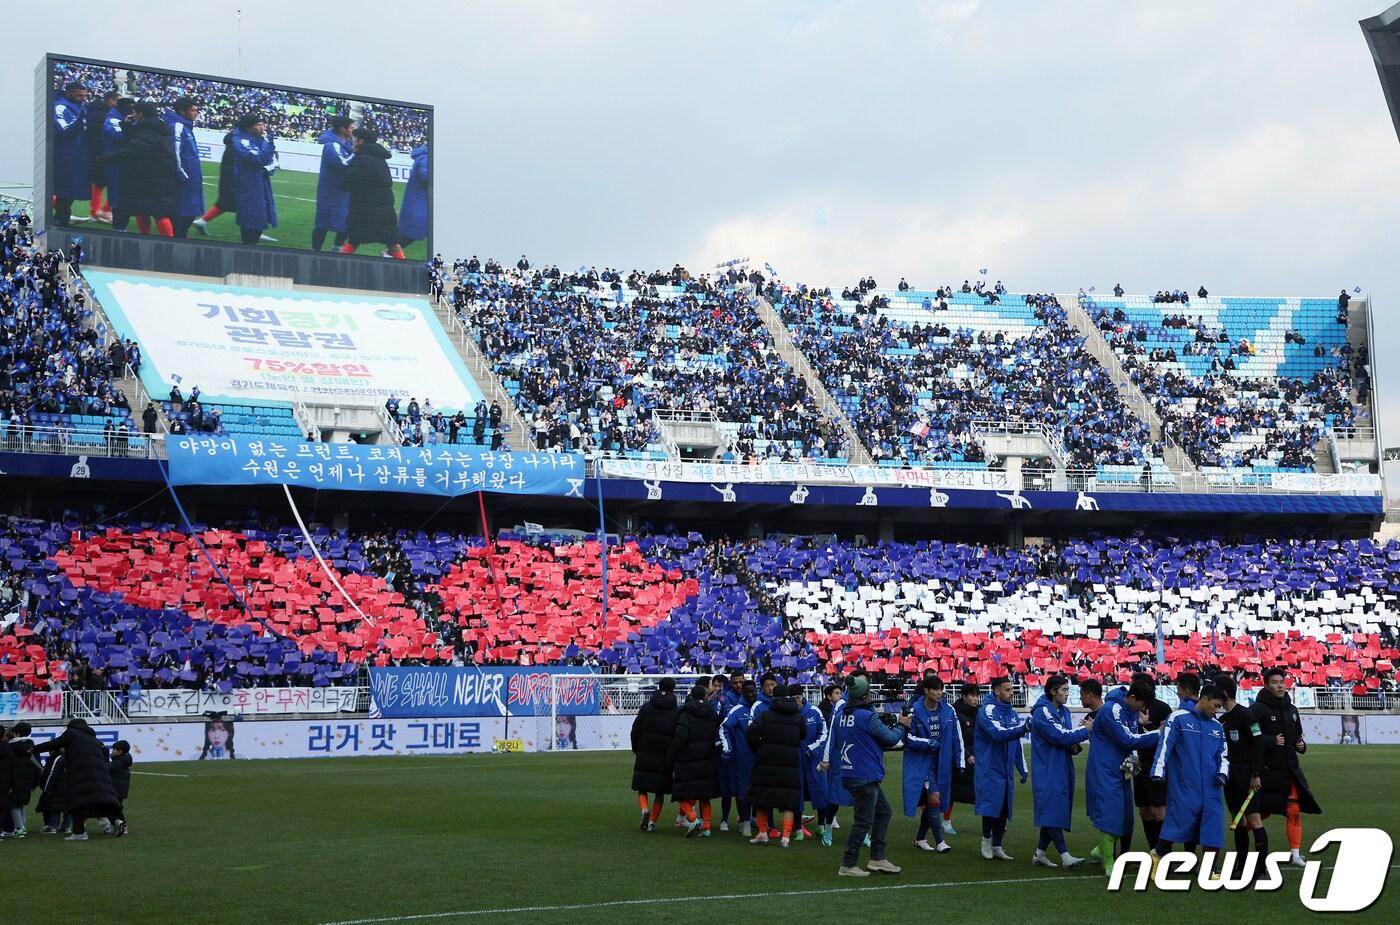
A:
x: 295, y: 192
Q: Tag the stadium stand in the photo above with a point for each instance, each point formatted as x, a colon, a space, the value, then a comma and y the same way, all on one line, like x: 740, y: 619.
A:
x: 588, y: 369
x: 1244, y: 384
x: 55, y: 376
x: 139, y: 604
x: 915, y: 370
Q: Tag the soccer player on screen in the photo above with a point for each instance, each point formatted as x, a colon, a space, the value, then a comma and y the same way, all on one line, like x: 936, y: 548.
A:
x: 189, y: 194
x: 371, y: 188
x: 332, y: 198
x: 72, y: 173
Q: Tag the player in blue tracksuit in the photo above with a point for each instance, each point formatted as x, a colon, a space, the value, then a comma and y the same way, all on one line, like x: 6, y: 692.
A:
x: 413, y: 214
x: 1054, y: 742
x: 861, y: 741
x: 1191, y: 758
x: 189, y: 194
x: 114, y: 126
x: 833, y: 698
x: 996, y: 744
x: 1188, y: 690
x: 813, y: 749
x: 254, y: 162
x: 734, y: 693
x: 1108, y: 791
x: 932, y: 750
x: 736, y: 760
x: 332, y: 200
x: 72, y: 158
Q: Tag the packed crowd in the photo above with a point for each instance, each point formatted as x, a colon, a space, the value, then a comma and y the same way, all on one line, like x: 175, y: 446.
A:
x: 1229, y: 417
x: 52, y: 361
x: 914, y: 390
x: 138, y: 606
x: 289, y: 114
x: 591, y: 369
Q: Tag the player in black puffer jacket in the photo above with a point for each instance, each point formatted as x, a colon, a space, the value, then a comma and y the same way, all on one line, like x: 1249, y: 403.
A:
x: 89, y: 777
x: 652, y: 732
x: 693, y: 756
x: 775, y: 785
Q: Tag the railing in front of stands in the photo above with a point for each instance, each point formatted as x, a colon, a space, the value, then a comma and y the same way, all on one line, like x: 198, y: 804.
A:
x: 622, y: 691
x: 80, y: 441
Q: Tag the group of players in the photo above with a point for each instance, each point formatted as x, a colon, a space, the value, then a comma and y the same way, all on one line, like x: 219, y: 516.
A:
x: 133, y: 160
x: 763, y: 750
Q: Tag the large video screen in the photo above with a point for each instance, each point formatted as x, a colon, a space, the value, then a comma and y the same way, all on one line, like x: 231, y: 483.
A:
x: 140, y: 151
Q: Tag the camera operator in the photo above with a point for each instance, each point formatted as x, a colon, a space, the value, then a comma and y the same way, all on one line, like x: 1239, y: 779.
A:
x: 863, y: 737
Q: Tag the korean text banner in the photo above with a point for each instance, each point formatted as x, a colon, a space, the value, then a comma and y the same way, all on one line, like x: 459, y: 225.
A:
x: 470, y: 691
x: 33, y: 705
x: 257, y: 701
x: 256, y: 346
x: 440, y: 470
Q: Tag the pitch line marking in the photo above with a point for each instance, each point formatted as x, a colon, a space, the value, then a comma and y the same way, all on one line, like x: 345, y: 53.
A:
x: 770, y: 894
x: 158, y: 774
x: 657, y: 901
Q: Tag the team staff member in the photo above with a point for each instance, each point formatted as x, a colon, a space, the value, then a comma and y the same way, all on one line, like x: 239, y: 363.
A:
x: 189, y: 196
x: 371, y: 217
x: 997, y: 745
x: 1054, y: 743
x: 1108, y: 797
x: 965, y: 780
x: 1244, y: 747
x: 652, y: 732
x: 1149, y: 796
x: 932, y: 752
x: 1191, y: 760
x: 862, y: 739
x: 1283, y: 788
x: 149, y: 171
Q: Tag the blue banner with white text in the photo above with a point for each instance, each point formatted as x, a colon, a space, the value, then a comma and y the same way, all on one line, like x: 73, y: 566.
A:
x: 434, y: 470
x: 471, y: 691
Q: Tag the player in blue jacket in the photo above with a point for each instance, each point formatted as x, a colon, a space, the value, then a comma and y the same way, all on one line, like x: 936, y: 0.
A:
x: 736, y: 760
x: 1191, y: 758
x: 932, y: 750
x: 254, y: 163
x: 332, y: 199
x: 1108, y: 791
x: 413, y: 214
x: 813, y: 750
x: 189, y: 195
x: 996, y: 745
x: 833, y: 698
x: 1054, y: 742
x: 72, y: 158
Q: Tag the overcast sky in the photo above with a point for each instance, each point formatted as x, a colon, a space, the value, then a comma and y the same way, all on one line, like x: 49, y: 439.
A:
x: 1243, y: 146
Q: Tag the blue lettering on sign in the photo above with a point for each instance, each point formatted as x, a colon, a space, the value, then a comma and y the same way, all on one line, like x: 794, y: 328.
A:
x: 469, y: 691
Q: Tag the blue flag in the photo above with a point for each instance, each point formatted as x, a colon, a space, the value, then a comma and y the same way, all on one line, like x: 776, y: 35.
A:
x: 983, y: 271
x: 1161, y: 642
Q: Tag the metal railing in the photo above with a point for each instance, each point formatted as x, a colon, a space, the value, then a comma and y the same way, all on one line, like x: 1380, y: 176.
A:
x: 1053, y: 437
x: 81, y: 442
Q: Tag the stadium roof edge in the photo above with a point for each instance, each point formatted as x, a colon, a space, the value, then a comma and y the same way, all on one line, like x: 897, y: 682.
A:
x: 1382, y: 33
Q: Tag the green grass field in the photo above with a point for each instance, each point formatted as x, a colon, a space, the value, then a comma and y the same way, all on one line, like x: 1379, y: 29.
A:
x: 295, y: 192
x: 553, y: 838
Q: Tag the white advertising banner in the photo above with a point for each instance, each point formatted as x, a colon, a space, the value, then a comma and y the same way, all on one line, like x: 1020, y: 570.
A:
x: 1359, y: 482
x: 304, y: 156
x: 258, y: 345
x: 258, y: 701
x: 226, y: 739
x: 803, y: 473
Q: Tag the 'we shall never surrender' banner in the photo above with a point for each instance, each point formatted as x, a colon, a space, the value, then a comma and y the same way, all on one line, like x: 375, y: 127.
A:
x: 470, y: 691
